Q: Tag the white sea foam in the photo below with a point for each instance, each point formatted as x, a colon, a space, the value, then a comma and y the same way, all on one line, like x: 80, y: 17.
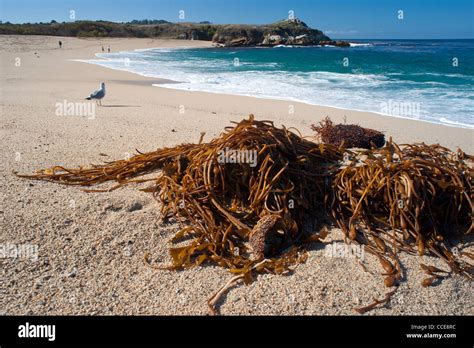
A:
x: 459, y: 124
x: 355, y: 91
x: 357, y: 44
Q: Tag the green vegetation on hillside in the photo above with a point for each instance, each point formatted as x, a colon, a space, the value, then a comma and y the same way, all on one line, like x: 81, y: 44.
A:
x: 290, y: 32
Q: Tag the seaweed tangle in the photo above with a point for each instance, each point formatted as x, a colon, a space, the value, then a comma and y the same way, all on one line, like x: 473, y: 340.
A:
x: 348, y: 135
x: 415, y: 198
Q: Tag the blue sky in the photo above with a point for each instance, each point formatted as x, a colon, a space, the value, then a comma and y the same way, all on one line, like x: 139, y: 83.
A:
x: 423, y: 19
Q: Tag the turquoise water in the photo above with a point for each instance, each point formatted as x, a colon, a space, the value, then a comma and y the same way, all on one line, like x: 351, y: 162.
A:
x: 431, y: 80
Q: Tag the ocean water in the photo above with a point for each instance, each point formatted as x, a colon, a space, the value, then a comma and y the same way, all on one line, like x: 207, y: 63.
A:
x: 430, y: 80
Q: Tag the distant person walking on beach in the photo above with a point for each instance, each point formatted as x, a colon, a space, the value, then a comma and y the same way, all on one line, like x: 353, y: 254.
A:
x: 102, y: 48
x: 108, y: 48
x: 60, y: 44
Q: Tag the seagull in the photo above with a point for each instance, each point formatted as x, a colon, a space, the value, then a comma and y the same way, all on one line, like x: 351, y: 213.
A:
x: 99, y: 94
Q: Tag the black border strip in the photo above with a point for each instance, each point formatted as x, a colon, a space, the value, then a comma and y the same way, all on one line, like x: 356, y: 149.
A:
x: 241, y: 330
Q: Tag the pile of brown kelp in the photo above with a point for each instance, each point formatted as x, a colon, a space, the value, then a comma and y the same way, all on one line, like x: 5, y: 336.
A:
x: 412, y: 198
x: 251, y: 199
x: 348, y: 135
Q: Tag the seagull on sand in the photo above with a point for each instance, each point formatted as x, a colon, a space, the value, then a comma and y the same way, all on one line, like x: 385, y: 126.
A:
x: 98, y: 94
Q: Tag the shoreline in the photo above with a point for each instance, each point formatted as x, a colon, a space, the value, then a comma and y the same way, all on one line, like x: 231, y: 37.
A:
x: 163, y: 82
x: 162, y: 85
x: 91, y: 245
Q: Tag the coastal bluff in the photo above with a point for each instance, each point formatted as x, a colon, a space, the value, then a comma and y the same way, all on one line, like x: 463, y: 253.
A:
x: 286, y: 32
x: 292, y: 32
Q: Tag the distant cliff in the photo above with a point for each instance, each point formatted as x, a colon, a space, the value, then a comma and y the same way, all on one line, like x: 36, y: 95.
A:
x: 286, y: 32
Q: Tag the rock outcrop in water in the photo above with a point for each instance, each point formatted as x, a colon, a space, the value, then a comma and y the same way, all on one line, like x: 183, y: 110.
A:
x: 285, y: 32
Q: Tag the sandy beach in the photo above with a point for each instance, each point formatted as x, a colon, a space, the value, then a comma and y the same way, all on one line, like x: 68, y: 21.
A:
x: 91, y: 245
